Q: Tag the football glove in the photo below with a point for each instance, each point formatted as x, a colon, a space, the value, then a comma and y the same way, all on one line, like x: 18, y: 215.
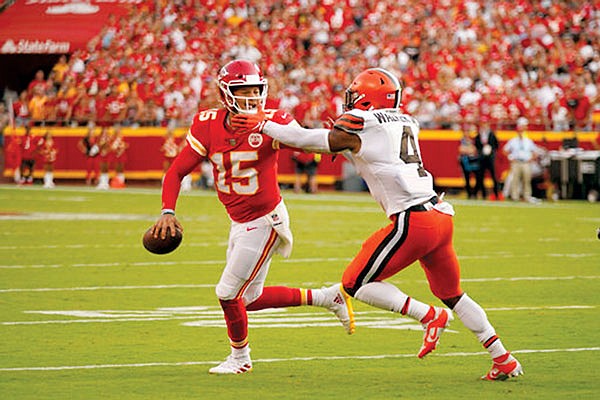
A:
x: 249, y: 123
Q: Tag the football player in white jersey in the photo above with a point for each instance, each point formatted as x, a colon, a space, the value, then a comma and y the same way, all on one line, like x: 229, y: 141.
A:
x: 383, y: 145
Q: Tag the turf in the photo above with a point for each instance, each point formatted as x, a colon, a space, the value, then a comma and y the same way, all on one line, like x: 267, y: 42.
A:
x: 87, y: 313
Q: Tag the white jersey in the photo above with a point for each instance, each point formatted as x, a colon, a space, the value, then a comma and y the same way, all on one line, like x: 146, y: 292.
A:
x: 389, y: 159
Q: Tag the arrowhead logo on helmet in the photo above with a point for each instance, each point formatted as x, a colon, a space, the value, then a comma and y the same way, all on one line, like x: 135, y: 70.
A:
x: 374, y: 88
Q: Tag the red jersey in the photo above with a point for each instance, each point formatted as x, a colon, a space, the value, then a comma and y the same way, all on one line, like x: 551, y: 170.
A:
x: 29, y: 147
x: 244, y: 164
x: 48, y: 151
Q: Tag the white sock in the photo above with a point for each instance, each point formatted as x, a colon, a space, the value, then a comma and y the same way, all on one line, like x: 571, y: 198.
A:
x: 386, y: 296
x: 241, y: 353
x: 475, y: 319
x: 121, y: 176
x: 318, y: 297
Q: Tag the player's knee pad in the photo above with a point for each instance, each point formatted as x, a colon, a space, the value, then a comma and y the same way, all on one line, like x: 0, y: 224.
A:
x: 228, y: 287
x: 224, y: 292
x: 251, y: 294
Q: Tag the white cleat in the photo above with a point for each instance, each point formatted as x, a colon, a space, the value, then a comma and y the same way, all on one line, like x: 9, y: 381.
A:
x: 233, y: 365
x: 339, y: 303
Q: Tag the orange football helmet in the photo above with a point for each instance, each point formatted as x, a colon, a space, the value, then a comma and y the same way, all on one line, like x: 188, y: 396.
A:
x: 239, y: 73
x: 372, y: 89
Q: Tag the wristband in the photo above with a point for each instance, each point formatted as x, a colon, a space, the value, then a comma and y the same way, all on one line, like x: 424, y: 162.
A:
x: 167, y: 211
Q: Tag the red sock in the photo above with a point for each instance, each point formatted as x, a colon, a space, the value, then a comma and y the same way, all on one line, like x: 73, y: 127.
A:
x: 237, y: 322
x: 277, y: 297
x: 429, y: 316
x: 405, y: 306
x: 502, y: 358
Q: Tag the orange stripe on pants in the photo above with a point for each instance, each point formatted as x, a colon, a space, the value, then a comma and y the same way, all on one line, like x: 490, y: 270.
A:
x: 425, y: 236
x: 261, y: 261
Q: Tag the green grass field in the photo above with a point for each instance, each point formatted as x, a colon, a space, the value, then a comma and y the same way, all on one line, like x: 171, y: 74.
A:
x: 87, y: 313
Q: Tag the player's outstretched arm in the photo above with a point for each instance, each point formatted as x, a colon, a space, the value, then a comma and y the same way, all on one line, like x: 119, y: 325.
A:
x: 315, y: 140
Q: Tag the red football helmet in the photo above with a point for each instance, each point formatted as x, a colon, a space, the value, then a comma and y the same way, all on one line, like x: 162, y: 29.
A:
x: 373, y: 88
x: 239, y: 73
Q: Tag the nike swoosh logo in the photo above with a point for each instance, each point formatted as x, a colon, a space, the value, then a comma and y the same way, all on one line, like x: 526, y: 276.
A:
x: 251, y: 228
x: 494, y: 374
x: 432, y: 336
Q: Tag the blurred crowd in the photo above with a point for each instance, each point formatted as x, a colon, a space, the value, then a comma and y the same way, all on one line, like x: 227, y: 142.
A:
x: 461, y: 61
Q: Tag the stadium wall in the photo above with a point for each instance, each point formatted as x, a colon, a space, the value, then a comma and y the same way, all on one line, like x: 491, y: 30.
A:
x: 144, y: 158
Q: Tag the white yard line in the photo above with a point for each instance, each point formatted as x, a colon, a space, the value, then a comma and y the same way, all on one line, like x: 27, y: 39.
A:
x: 528, y: 278
x: 100, y: 246
x: 293, y: 261
x: 290, y: 359
x: 94, y: 288
x: 180, y: 286
x: 166, y: 263
x: 212, y: 316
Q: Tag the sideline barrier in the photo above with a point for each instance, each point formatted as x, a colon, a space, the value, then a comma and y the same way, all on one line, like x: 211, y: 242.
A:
x: 144, y: 158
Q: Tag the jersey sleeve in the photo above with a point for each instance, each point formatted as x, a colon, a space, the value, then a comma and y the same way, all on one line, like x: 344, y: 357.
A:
x: 350, y: 123
x: 197, y: 138
x: 283, y: 118
x: 184, y: 163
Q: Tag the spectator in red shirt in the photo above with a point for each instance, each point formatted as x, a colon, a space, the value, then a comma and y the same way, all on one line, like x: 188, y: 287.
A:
x: 21, y: 110
x: 38, y: 82
x: 83, y: 112
x: 116, y: 105
x: 580, y: 107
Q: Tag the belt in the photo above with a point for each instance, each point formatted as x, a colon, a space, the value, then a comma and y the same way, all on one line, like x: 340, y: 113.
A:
x: 426, y: 205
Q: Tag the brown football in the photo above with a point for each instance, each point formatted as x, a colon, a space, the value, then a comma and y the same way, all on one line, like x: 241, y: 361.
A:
x: 160, y: 246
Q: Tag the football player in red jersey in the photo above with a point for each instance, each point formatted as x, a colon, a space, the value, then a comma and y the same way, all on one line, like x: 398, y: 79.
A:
x: 245, y: 174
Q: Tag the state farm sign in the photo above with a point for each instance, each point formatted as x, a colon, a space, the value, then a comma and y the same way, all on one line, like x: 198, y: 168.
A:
x: 24, y: 46
x: 56, y: 26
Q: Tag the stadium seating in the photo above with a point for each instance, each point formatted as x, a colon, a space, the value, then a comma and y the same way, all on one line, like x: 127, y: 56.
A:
x: 460, y: 61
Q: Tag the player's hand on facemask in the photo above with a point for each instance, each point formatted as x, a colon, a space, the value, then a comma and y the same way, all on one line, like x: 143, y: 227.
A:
x: 249, y: 123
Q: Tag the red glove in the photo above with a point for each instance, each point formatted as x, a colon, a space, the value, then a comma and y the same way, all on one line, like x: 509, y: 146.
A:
x: 249, y: 123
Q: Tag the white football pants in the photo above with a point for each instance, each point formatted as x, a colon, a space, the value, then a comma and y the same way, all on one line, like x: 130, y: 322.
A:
x: 249, y: 252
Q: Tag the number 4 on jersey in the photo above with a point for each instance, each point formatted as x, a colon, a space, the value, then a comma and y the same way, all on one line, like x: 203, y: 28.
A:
x: 407, y: 136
